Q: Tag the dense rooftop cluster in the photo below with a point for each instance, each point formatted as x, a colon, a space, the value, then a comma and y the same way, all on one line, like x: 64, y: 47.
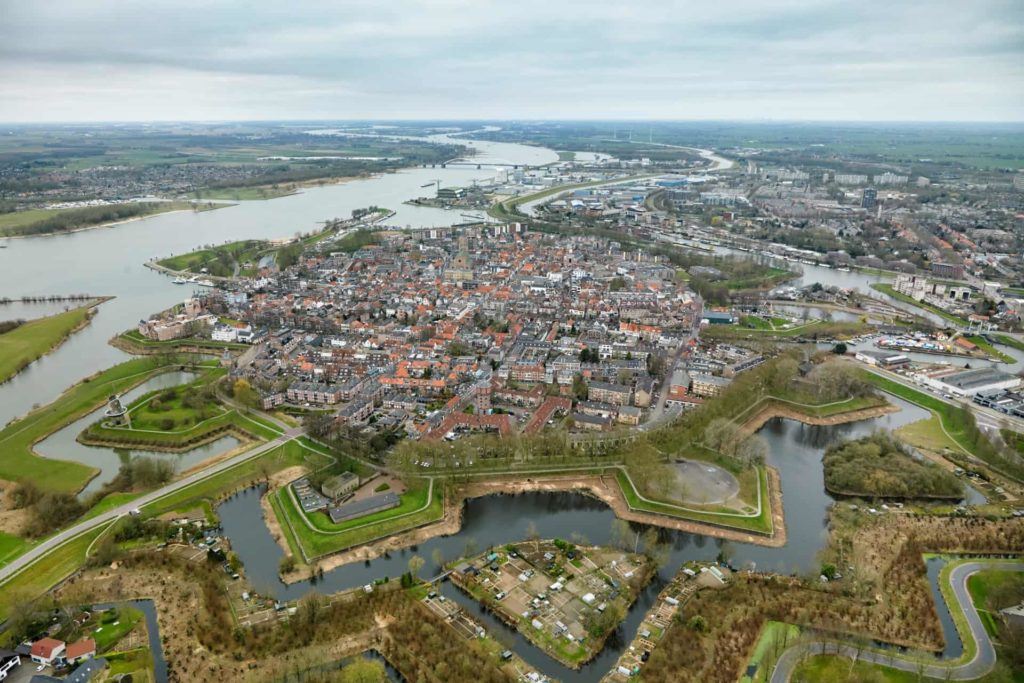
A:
x: 436, y: 329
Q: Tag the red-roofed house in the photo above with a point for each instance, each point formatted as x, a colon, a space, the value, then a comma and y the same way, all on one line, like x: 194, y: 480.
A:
x: 45, y: 650
x: 81, y: 650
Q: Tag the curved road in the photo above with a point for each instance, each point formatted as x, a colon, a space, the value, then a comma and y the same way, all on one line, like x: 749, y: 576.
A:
x: 25, y: 560
x: 980, y: 664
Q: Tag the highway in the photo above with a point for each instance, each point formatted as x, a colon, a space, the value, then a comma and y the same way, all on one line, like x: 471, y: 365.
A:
x: 48, y: 545
x: 981, y: 663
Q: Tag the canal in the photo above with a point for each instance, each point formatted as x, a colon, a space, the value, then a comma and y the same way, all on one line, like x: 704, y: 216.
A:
x: 495, y: 520
x: 62, y: 444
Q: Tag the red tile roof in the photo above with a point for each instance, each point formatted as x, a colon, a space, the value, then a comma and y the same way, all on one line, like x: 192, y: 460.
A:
x: 45, y: 647
x: 81, y: 648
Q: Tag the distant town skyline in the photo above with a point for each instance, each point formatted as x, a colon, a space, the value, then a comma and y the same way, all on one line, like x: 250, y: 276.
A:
x: 807, y: 60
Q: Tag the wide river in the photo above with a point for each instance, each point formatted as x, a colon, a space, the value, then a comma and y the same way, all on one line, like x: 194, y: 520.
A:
x: 109, y: 261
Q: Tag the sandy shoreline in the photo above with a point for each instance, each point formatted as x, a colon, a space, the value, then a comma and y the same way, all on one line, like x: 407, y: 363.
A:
x: 112, y: 224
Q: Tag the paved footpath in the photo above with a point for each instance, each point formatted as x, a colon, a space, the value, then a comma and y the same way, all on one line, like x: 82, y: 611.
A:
x: 51, y: 543
x: 979, y: 665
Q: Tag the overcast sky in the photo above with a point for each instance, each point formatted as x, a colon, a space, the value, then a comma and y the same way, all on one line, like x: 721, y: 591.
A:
x: 96, y: 60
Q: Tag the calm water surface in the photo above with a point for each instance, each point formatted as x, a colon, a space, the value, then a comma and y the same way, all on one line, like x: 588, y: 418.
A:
x: 795, y: 449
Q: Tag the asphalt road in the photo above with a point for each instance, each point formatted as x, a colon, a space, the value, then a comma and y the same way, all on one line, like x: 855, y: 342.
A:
x: 985, y: 417
x: 982, y: 662
x: 48, y: 545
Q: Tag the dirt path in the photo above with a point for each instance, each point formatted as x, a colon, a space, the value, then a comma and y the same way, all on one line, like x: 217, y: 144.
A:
x: 774, y: 410
x: 604, y: 488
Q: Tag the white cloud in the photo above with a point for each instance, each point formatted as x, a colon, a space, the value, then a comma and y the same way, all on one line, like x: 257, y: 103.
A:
x: 260, y: 59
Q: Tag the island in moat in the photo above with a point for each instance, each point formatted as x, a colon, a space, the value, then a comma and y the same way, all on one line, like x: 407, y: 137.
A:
x: 311, y: 429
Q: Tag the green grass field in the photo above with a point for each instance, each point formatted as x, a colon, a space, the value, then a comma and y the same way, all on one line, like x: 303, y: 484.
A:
x: 814, y: 328
x: 47, y: 571
x: 835, y: 669
x: 18, y: 462
x: 245, y: 193
x: 964, y: 435
x: 981, y: 585
x: 45, y: 221
x: 138, y: 661
x: 35, y: 338
x: 1012, y: 342
x: 989, y: 349
x: 162, y: 419
x: 937, y: 406
x: 775, y: 638
x: 761, y: 524
x: 11, y: 546
x: 113, y: 626
x: 332, y: 538
x: 245, y: 473
x: 111, y: 501
x: 218, y: 260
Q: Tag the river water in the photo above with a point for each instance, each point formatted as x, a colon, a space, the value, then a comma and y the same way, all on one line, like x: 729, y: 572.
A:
x: 108, y: 261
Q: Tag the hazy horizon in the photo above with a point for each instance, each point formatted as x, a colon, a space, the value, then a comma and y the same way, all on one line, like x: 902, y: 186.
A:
x: 72, y: 61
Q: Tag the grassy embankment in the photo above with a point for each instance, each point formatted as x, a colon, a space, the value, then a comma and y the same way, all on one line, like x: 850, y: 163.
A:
x: 34, y: 339
x: 220, y: 260
x: 950, y: 427
x: 47, y: 571
x: 992, y: 351
x: 49, y: 221
x: 980, y: 586
x: 775, y: 638
x: 11, y: 546
x: 1012, y: 342
x: 814, y: 328
x: 254, y: 193
x: 211, y: 489
x: 888, y: 289
x: 761, y: 523
x: 134, y: 342
x: 18, y: 462
x: 179, y: 418
x: 420, y: 505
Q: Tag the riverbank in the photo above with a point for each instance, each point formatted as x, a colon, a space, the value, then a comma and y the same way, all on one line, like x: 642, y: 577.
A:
x: 273, y: 191
x: 19, y: 460
x: 34, y: 339
x: 172, y: 207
